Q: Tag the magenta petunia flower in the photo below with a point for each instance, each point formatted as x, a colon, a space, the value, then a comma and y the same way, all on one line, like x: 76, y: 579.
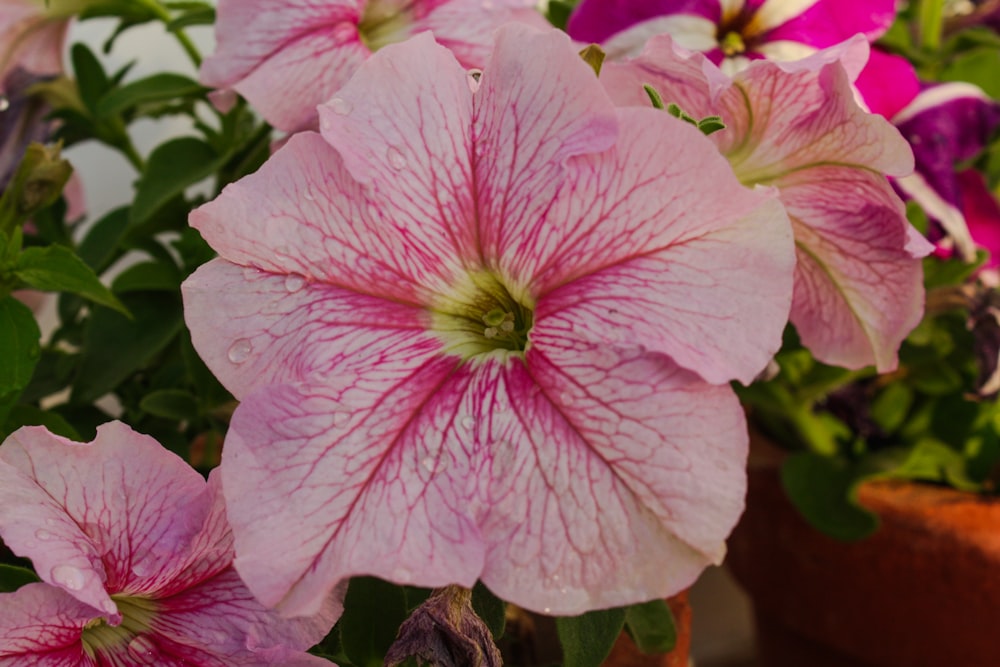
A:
x: 731, y: 32
x: 470, y: 327
x: 796, y: 127
x: 136, y: 558
x: 949, y: 124
x: 287, y: 57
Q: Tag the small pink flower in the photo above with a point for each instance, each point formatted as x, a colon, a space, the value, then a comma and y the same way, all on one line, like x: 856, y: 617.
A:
x: 286, y: 57
x: 136, y: 556
x: 33, y: 34
x: 796, y: 127
x: 470, y: 327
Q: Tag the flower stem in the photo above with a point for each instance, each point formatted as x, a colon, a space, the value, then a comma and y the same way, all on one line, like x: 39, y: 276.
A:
x: 182, y: 38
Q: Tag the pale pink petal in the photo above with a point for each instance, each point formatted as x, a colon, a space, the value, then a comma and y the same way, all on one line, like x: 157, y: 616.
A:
x: 466, y: 26
x: 613, y: 476
x: 41, y: 626
x: 302, y: 213
x: 220, y: 618
x: 858, y: 288
x: 794, y: 126
x: 656, y: 255
x: 113, y: 514
x: 285, y: 56
x: 468, y: 497
x: 276, y: 329
x: 528, y: 123
x: 29, y: 39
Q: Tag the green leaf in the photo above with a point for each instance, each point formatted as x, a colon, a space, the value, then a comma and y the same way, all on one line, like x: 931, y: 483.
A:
x: 203, y: 16
x: 651, y: 625
x: 13, y: 577
x: 977, y: 66
x: 29, y: 415
x: 373, y: 611
x: 19, y: 348
x: 559, y: 12
x: 91, y: 79
x: 99, y: 247
x: 890, y: 407
x: 156, y: 88
x: 115, y: 347
x: 148, y: 276
x: 170, y: 404
x: 934, y: 461
x: 171, y: 169
x: 57, y: 269
x: 824, y: 490
x: 587, y: 640
x: 490, y: 608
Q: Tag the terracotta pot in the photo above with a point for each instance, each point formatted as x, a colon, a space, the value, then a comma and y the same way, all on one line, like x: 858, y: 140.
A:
x: 923, y: 590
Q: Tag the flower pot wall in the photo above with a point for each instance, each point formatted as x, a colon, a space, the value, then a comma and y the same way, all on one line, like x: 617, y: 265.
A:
x: 923, y: 590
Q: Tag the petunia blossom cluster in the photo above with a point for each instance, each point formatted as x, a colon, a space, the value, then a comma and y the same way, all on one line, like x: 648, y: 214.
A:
x: 481, y: 311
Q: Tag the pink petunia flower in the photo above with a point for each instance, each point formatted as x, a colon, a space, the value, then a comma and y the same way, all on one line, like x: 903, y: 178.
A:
x: 33, y: 34
x: 731, y: 32
x: 796, y: 127
x: 136, y: 556
x: 286, y: 57
x: 469, y: 327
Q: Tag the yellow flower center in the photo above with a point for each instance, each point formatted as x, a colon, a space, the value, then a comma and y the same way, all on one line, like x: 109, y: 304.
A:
x: 385, y: 22
x: 137, y: 618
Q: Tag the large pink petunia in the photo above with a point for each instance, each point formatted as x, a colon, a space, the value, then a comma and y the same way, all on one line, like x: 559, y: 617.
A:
x: 796, y: 127
x: 287, y: 56
x: 469, y: 326
x: 136, y: 556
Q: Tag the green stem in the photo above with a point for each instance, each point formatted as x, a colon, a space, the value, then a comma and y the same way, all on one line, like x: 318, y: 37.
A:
x: 131, y: 154
x: 931, y: 23
x: 182, y: 38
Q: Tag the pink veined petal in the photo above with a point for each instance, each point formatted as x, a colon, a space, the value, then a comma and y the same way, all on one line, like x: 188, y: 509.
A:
x: 111, y: 515
x: 420, y: 480
x: 466, y: 27
x: 304, y: 215
x: 220, y: 618
x: 41, y: 626
x: 614, y: 476
x: 29, y: 39
x: 858, y: 288
x: 828, y: 22
x: 274, y: 329
x: 285, y: 57
x: 648, y: 251
x: 527, y: 125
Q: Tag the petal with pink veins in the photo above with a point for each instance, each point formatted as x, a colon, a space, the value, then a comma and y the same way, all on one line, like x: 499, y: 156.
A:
x: 114, y: 514
x: 793, y: 126
x: 40, y: 626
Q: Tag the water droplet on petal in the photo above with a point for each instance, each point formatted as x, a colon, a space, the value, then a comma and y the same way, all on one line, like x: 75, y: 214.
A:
x: 51, y: 522
x: 294, y: 282
x: 142, y: 649
x: 340, y: 106
x: 68, y: 576
x: 547, y: 610
x: 468, y: 422
x: 429, y: 464
x: 4, y: 103
x: 143, y: 567
x: 240, y: 351
x: 567, y: 398
x: 341, y: 417
x: 308, y: 196
x: 487, y: 4
x: 44, y: 535
x: 475, y: 76
x: 109, y: 607
x: 395, y: 158
x: 250, y: 273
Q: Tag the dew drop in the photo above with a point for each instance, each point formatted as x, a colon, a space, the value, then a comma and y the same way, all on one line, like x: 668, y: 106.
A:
x: 4, y: 103
x: 487, y: 4
x: 51, y: 522
x: 294, y: 282
x: 547, y: 610
x: 143, y: 567
x: 468, y: 422
x: 567, y: 398
x: 68, y: 576
x: 240, y: 351
x: 341, y: 417
x: 109, y: 607
x: 395, y: 158
x: 308, y: 196
x: 44, y: 535
x: 340, y: 106
x: 429, y: 464
x: 142, y: 649
x: 250, y: 273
